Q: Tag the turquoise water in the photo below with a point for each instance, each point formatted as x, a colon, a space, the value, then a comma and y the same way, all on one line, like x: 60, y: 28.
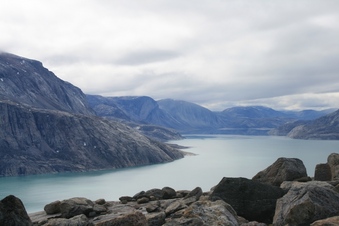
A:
x: 217, y: 156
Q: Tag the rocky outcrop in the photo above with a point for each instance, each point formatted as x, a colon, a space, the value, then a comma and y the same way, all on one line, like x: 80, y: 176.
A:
x: 305, y: 203
x: 284, y: 169
x: 251, y: 199
x: 27, y: 82
x: 35, y: 141
x: 13, y: 212
x: 333, y: 162
x: 322, y: 172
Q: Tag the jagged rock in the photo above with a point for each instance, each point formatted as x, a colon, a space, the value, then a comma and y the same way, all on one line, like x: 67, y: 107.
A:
x: 169, y: 193
x: 196, y: 193
x: 333, y: 162
x: 252, y: 200
x: 305, y: 203
x: 152, y: 206
x: 132, y: 219
x: 13, y: 212
x: 327, y: 222
x: 79, y: 220
x: 283, y: 169
x: 76, y: 206
x: 156, y: 219
x: 207, y: 213
x: 322, y: 172
x: 53, y: 207
x: 139, y: 195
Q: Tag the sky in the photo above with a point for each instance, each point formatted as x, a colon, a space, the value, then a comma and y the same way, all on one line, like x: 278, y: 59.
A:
x: 282, y: 54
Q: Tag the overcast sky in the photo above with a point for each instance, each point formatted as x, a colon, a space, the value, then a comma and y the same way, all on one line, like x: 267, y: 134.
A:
x: 282, y: 54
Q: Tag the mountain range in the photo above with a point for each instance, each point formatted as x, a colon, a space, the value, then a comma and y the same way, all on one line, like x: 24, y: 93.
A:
x: 188, y: 118
x: 47, y: 126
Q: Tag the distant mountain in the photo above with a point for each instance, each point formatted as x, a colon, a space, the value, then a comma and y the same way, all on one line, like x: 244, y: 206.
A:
x: 47, y: 126
x: 324, y: 128
x: 187, y: 117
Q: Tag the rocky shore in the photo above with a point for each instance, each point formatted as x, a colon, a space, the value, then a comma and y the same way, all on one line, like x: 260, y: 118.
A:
x: 281, y: 194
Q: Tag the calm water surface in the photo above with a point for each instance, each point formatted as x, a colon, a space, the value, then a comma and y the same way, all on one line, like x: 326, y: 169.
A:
x: 217, y: 156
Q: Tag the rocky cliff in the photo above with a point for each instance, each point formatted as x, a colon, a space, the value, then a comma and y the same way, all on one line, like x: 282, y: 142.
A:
x: 47, y: 127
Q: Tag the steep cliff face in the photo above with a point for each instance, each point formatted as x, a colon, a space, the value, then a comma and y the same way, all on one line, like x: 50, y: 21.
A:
x: 34, y: 141
x: 26, y: 81
x: 47, y: 127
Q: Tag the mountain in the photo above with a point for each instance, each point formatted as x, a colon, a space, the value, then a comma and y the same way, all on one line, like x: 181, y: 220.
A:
x: 324, y: 128
x: 26, y: 81
x: 47, y: 126
x: 187, y: 117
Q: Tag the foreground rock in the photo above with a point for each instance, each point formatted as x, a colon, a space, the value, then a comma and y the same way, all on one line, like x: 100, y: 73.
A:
x: 284, y: 169
x: 305, y: 203
x: 13, y: 212
x: 252, y: 200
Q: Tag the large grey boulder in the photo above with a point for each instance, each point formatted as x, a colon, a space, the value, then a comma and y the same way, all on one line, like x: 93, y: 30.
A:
x: 207, y: 213
x: 13, y: 212
x: 80, y: 220
x: 283, y: 169
x: 252, y: 200
x: 333, y: 162
x: 328, y: 221
x: 131, y: 219
x: 305, y: 203
x: 76, y: 206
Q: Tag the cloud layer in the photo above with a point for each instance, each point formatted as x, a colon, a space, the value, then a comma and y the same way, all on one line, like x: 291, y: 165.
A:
x: 282, y: 54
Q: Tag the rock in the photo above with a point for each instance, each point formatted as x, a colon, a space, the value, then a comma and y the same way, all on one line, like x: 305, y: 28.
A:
x: 99, y: 209
x: 333, y: 162
x: 196, y: 193
x: 169, y: 193
x: 174, y: 207
x: 155, y: 194
x: 76, y: 206
x: 143, y: 200
x: 305, y: 203
x: 153, y: 206
x: 251, y: 199
x: 79, y: 220
x: 156, y: 219
x: 53, y: 207
x: 328, y: 221
x: 322, y: 172
x: 125, y: 199
x: 253, y: 223
x: 13, y: 212
x: 100, y: 201
x: 132, y: 219
x: 139, y: 195
x: 283, y: 169
x: 207, y: 213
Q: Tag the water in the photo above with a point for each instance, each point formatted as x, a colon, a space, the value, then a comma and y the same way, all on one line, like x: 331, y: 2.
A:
x: 217, y: 156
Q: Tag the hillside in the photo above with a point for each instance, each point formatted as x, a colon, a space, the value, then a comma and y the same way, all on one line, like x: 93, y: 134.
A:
x: 324, y: 128
x: 47, y: 126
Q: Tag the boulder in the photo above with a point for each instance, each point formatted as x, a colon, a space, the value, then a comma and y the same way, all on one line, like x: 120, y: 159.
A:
x: 13, y: 212
x: 80, y: 220
x: 283, y: 169
x: 305, y: 203
x: 322, y: 172
x: 125, y: 199
x: 174, y: 207
x: 76, y: 206
x: 328, y: 221
x: 251, y: 199
x: 156, y: 219
x: 53, y: 207
x: 132, y: 219
x: 169, y: 193
x: 206, y: 213
x: 155, y: 194
x: 333, y: 162
x: 100, y: 201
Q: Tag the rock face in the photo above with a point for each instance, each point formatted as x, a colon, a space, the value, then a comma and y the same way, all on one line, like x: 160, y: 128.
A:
x: 252, y: 200
x: 284, y: 169
x: 13, y: 212
x: 47, y: 127
x: 26, y: 81
x: 322, y: 172
x: 305, y: 203
x: 333, y: 162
